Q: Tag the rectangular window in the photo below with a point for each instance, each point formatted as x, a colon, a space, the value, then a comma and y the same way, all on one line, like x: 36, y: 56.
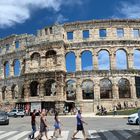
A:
x: 70, y: 35
x: 7, y: 47
x: 51, y: 31
x: 17, y: 44
x: 85, y: 34
x: 102, y: 32
x: 136, y: 33
x: 120, y: 32
x: 46, y: 31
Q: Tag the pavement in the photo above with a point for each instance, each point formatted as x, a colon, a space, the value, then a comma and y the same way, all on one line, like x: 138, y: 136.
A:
x: 135, y: 137
x: 91, y: 115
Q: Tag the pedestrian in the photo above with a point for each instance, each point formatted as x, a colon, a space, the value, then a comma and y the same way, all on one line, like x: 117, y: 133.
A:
x: 57, y: 126
x: 33, y: 124
x: 79, y: 125
x: 115, y: 110
x: 43, y: 125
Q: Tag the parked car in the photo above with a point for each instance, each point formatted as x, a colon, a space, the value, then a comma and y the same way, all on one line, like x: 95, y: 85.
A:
x: 4, y: 118
x: 16, y: 113
x: 133, y: 118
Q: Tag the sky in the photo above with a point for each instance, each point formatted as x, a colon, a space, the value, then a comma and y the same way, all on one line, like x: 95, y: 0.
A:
x: 27, y: 16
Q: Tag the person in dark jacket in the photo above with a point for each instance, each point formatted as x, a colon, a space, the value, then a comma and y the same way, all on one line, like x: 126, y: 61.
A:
x: 33, y: 124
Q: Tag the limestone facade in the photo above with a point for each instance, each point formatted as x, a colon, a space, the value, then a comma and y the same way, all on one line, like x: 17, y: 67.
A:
x: 43, y: 78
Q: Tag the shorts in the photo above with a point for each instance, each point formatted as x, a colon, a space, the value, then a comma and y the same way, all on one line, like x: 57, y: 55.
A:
x: 80, y: 127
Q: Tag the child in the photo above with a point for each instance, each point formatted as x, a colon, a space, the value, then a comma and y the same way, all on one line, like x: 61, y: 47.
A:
x: 57, y: 126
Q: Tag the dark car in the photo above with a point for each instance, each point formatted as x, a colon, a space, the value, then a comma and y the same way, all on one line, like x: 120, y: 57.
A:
x: 4, y: 118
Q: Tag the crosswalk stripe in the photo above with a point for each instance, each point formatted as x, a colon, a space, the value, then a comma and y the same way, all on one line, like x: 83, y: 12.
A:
x: 7, y: 134
x: 109, y: 135
x: 124, y: 133
x: 93, y: 134
x: 65, y: 135
x: 79, y: 135
x: 2, y: 132
x: 18, y: 136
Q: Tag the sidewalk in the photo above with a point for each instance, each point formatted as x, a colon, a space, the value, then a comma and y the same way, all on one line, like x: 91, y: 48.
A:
x: 93, y: 115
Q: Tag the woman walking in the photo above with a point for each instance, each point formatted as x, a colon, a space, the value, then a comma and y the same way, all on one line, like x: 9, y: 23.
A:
x: 57, y: 126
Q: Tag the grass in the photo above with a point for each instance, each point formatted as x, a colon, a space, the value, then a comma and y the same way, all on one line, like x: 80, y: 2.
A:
x: 124, y: 112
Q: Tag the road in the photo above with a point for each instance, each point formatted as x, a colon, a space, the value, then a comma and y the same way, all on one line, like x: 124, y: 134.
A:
x: 97, y: 128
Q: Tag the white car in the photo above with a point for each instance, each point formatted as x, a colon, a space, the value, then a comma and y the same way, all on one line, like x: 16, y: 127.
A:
x: 133, y: 118
x: 16, y: 113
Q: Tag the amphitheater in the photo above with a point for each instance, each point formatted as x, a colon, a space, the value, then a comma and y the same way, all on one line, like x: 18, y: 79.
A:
x: 81, y: 64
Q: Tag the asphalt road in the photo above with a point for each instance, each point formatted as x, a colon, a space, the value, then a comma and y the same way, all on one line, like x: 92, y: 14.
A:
x: 102, y: 128
x: 69, y: 123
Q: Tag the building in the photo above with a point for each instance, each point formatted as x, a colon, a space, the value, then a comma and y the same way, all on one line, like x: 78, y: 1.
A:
x: 34, y: 71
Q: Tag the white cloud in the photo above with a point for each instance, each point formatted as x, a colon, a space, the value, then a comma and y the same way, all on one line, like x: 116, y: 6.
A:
x: 128, y: 10
x: 60, y: 18
x: 18, y: 11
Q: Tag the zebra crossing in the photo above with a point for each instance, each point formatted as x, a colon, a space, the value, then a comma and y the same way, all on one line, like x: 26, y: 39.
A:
x: 66, y: 135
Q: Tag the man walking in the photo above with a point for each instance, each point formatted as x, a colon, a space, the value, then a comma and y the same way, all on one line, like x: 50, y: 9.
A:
x: 79, y: 125
x: 33, y: 124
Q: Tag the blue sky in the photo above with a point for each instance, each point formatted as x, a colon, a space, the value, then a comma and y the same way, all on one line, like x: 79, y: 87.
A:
x: 26, y: 16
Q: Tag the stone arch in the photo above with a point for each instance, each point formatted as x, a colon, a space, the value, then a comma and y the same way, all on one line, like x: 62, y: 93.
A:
x: 121, y: 59
x: 105, y: 89
x: 103, y: 60
x: 6, y: 69
x: 70, y: 62
x: 34, y: 85
x: 136, y: 59
x: 88, y: 89
x: 50, y: 87
x: 71, y: 89
x: 17, y: 67
x: 4, y: 93
x: 35, y: 60
x: 86, y: 60
x: 124, y: 88
x: 51, y: 58
x: 14, y: 90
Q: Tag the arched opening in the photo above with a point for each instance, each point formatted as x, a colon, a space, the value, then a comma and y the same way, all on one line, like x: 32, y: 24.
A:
x: 17, y: 67
x: 4, y: 93
x: 86, y: 58
x: 34, y: 88
x: 6, y: 69
x: 103, y: 60
x: 121, y: 59
x: 70, y: 62
x: 136, y: 58
x: 105, y: 89
x: 50, y: 87
x: 14, y: 90
x: 51, y: 58
x: 88, y: 89
x: 35, y: 60
x: 124, y: 88
x: 71, y: 90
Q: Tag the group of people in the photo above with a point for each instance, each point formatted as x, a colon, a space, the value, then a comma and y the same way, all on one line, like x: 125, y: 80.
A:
x: 102, y: 110
x: 57, y: 125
